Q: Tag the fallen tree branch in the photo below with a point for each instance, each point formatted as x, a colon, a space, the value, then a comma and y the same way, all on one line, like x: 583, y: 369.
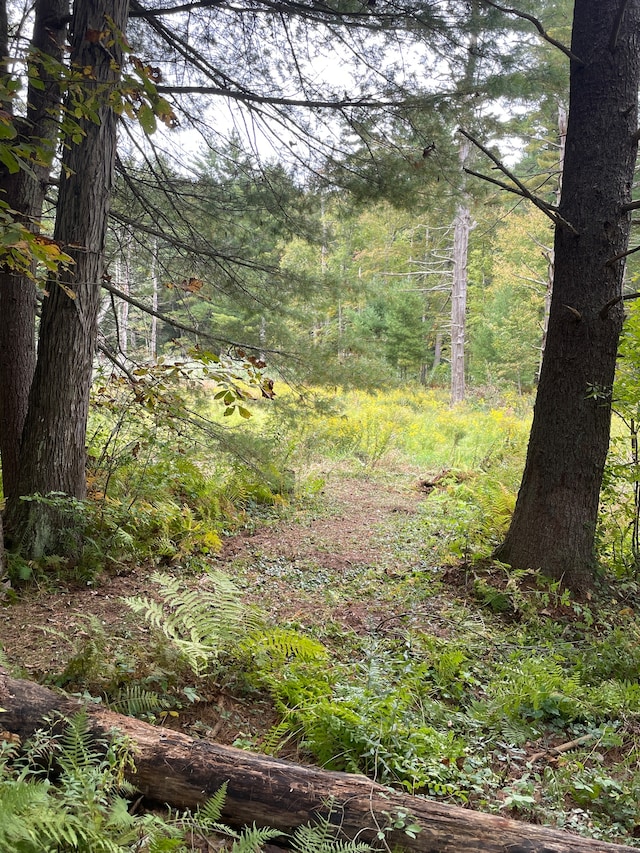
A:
x: 562, y: 747
x: 183, y: 772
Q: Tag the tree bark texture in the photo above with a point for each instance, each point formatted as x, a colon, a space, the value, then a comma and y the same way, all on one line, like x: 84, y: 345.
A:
x: 554, y: 522
x: 52, y: 456
x: 182, y: 772
x: 25, y: 192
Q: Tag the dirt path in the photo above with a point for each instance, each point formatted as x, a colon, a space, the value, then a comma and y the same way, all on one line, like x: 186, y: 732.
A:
x: 328, y: 564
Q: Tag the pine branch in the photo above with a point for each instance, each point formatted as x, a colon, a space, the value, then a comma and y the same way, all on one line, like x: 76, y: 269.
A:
x: 536, y: 23
x: 255, y: 98
x: 548, y: 209
x: 171, y: 321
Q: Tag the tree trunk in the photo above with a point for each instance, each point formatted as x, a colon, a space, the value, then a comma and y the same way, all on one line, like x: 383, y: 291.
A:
x: 182, y: 772
x: 461, y: 232
x: 52, y: 456
x: 554, y: 522
x: 24, y: 192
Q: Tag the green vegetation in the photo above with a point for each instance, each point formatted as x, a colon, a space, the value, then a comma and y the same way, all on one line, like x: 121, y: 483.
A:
x: 463, y: 689
x: 87, y: 810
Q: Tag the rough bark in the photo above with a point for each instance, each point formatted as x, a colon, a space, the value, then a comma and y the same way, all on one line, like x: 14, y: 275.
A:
x: 182, y: 772
x: 554, y: 522
x: 52, y: 455
x: 25, y: 192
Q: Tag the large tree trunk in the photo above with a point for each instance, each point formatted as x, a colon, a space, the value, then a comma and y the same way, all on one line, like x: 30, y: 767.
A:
x: 554, y: 522
x: 182, y: 772
x: 52, y: 456
x: 24, y: 192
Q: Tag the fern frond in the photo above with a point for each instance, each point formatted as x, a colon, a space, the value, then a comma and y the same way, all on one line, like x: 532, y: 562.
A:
x: 211, y: 812
x: 280, y: 644
x: 77, y: 745
x: 199, y: 622
x: 133, y: 700
x: 321, y: 838
x: 253, y: 839
x: 279, y: 735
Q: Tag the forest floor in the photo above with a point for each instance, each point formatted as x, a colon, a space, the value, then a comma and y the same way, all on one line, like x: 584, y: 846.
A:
x: 327, y: 566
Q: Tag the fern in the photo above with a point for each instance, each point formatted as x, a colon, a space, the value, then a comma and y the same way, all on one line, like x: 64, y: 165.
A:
x: 210, y: 813
x: 200, y: 623
x: 77, y: 746
x: 253, y: 839
x: 273, y: 647
x: 133, y: 701
x: 323, y: 837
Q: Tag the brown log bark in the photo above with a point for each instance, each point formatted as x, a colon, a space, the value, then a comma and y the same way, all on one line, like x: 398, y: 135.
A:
x: 182, y: 772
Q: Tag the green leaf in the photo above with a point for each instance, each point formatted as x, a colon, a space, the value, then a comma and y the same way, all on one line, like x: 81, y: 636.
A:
x: 7, y: 130
x: 11, y: 162
x: 147, y: 119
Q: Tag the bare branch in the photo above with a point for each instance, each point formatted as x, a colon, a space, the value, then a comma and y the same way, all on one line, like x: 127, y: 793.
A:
x: 608, y: 305
x: 288, y: 102
x: 495, y: 181
x: 632, y: 205
x: 621, y: 255
x: 536, y: 23
x: 116, y: 362
x: 548, y: 209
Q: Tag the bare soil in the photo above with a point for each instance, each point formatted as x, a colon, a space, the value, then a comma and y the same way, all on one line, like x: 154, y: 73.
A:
x: 300, y: 569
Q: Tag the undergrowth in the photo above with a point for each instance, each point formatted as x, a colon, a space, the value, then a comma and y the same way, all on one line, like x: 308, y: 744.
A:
x: 483, y: 686
x: 64, y: 792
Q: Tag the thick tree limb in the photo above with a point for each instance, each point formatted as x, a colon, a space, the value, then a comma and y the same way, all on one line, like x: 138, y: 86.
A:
x: 175, y: 769
x: 548, y: 209
x: 536, y: 23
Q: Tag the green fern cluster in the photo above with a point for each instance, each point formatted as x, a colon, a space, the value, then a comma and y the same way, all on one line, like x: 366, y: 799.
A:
x: 204, y: 622
x: 85, y: 811
x: 201, y: 622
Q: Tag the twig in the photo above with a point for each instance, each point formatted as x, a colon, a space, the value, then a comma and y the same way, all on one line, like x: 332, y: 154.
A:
x: 536, y: 23
x: 177, y: 324
x: 563, y: 747
x: 608, y: 305
x: 116, y: 363
x: 622, y: 255
x: 548, y: 209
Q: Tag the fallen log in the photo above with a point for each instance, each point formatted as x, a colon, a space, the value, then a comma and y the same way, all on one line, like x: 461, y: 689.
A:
x: 183, y: 772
